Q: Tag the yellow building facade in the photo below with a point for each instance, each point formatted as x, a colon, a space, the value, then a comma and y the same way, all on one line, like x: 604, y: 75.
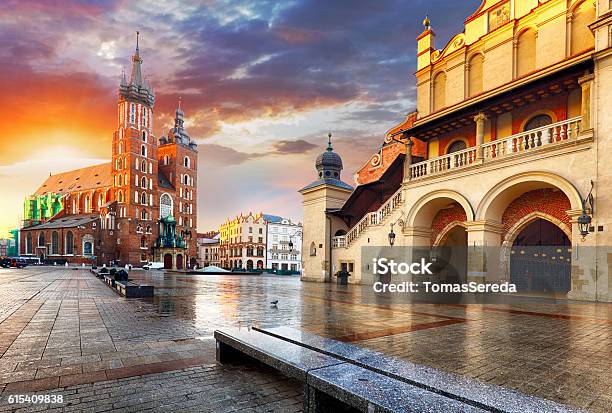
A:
x: 512, y: 131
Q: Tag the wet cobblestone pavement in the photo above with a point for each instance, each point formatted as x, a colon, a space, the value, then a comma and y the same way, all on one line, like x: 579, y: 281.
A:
x: 63, y: 331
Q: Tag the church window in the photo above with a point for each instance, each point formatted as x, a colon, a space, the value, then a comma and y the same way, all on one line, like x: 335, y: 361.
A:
x: 144, y: 136
x: 143, y: 166
x: 581, y: 35
x: 439, y: 91
x: 165, y: 205
x: 28, y: 243
x: 144, y: 121
x: 525, y: 53
x: 41, y: 239
x: 144, y: 182
x: 456, y: 146
x: 187, y: 162
x: 143, y: 150
x: 143, y: 198
x: 475, y: 75
x: 132, y: 113
x: 537, y: 121
x: 69, y: 247
x: 54, y: 243
x: 166, y: 160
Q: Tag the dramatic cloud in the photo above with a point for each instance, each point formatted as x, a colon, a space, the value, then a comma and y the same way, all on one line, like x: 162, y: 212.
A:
x: 262, y: 82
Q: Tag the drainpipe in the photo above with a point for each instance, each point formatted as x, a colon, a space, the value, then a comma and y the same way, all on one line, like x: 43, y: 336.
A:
x: 328, y: 278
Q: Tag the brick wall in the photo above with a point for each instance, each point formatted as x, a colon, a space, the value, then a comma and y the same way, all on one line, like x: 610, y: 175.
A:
x: 547, y: 200
x: 445, y: 217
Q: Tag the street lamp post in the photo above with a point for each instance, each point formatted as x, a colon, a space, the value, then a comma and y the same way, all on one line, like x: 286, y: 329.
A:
x: 584, y: 220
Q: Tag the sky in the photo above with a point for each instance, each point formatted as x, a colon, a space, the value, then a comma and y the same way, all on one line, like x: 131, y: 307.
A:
x: 261, y: 82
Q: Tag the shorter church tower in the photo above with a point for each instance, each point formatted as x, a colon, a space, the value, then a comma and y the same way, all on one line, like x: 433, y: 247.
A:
x: 327, y: 193
x: 178, y: 177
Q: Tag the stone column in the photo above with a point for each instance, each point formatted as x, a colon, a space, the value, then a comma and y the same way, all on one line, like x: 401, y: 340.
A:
x: 585, y: 83
x: 484, y: 251
x: 480, y: 129
x: 408, y: 158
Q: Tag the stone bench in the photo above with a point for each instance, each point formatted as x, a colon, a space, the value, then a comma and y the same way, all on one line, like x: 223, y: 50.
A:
x: 109, y: 280
x: 476, y: 393
x: 129, y: 289
x: 330, y: 383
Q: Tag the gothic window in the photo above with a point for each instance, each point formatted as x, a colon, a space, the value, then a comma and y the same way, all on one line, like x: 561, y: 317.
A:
x: 166, y: 160
x: 537, y: 121
x: 143, y: 151
x: 439, y: 91
x: 187, y: 162
x: 144, y: 136
x: 144, y: 120
x: 143, y: 242
x: 525, y: 53
x: 54, y: 243
x: 143, y: 198
x: 143, y: 215
x: 456, y: 147
x: 41, y: 239
x: 475, y: 75
x: 120, y: 196
x: 28, y: 243
x: 143, y: 166
x: 132, y: 113
x: 144, y: 182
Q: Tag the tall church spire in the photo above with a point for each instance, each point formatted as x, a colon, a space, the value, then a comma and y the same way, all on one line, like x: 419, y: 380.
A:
x: 136, y: 77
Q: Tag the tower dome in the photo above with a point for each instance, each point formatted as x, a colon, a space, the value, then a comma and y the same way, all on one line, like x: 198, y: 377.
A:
x: 329, y: 163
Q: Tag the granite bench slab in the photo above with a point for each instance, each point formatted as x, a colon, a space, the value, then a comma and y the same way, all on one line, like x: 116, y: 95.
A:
x: 330, y: 380
x: 487, y: 396
x: 291, y: 359
x: 132, y: 290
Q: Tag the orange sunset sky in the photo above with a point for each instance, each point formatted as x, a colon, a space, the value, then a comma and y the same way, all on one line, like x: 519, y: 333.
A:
x: 261, y: 82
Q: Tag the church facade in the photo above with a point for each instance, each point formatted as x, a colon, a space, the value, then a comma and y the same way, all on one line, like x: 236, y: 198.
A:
x: 507, y: 149
x: 139, y: 207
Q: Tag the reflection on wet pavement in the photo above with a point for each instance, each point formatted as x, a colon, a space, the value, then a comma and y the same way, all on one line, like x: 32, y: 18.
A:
x: 556, y: 350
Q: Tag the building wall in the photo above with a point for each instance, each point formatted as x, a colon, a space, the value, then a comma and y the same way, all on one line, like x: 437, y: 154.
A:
x: 279, y: 255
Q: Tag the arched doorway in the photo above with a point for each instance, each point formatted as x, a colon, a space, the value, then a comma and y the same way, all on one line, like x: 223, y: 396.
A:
x: 540, y: 259
x: 450, y: 253
x: 168, y: 261
x: 249, y: 264
x: 260, y: 264
x: 179, y: 262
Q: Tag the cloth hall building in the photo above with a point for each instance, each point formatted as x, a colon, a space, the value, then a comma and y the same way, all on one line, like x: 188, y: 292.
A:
x: 139, y: 207
x: 512, y: 131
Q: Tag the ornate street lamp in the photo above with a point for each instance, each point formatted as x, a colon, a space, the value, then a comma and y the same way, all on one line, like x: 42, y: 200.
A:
x: 584, y: 220
x: 298, y: 232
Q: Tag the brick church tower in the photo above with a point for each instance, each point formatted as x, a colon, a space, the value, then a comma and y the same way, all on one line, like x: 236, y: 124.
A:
x: 134, y: 168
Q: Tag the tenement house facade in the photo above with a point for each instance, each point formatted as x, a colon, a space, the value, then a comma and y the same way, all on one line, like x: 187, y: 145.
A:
x: 284, y: 244
x: 139, y: 207
x: 511, y: 132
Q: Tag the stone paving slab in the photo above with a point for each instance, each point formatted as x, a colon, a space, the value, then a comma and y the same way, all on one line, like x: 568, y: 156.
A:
x: 53, y: 318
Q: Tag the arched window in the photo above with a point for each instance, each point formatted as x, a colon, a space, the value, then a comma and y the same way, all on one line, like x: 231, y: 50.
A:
x: 144, y: 136
x: 120, y: 196
x: 475, y: 75
x: 54, y: 243
x: 28, y: 243
x: 525, y: 52
x: 166, y: 160
x: 439, y: 91
x: 537, y: 121
x: 143, y: 242
x: 581, y: 36
x: 456, y: 147
x: 143, y: 150
x: 143, y: 166
x: 41, y: 239
x: 165, y: 205
x: 186, y: 162
x: 143, y: 198
x: 313, y: 249
x: 143, y: 182
x: 69, y: 246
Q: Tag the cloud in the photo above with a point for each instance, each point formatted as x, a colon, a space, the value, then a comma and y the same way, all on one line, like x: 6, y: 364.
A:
x: 285, y: 147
